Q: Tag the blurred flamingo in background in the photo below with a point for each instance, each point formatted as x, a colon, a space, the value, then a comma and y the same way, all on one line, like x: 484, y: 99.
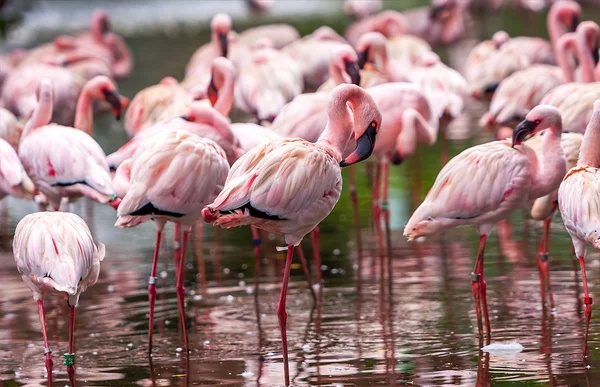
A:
x: 579, y: 201
x: 361, y: 8
x: 13, y: 179
x: 55, y: 252
x: 289, y: 186
x: 156, y: 189
x: 64, y: 161
x: 507, y: 178
x: 10, y: 128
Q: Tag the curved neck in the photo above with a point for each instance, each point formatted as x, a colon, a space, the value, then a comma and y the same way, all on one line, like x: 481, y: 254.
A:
x: 563, y: 49
x: 122, y: 62
x: 336, y: 74
x: 584, y: 55
x: 555, y: 28
x: 551, y: 159
x: 589, y: 154
x: 42, y: 114
x: 380, y: 56
x: 340, y: 124
x: 84, y: 116
x: 225, y: 98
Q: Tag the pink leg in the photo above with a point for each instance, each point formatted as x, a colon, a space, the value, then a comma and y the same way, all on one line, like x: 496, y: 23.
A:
x: 177, y: 244
x: 304, y: 265
x: 181, y: 290
x: 385, y: 205
x: 152, y: 289
x: 257, y: 255
x: 282, y: 314
x: 314, y: 236
x: 478, y: 286
x: 47, y: 350
x: 587, y: 300
x: 354, y: 199
x: 70, y: 358
x: 377, y: 208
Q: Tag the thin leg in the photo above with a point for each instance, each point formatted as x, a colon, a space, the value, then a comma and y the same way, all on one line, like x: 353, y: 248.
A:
x: 587, y: 300
x: 304, y: 265
x: 385, y: 207
x: 47, y: 350
x: 282, y: 313
x: 70, y: 357
x: 181, y: 290
x: 257, y: 256
x: 545, y: 261
x: 478, y: 284
x: 377, y: 207
x: 177, y: 244
x: 356, y: 214
x: 152, y: 289
x: 314, y: 236
x: 198, y: 246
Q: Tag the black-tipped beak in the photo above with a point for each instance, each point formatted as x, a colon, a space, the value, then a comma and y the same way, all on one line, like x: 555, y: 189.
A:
x: 395, y: 158
x: 186, y: 118
x: 224, y: 43
x: 354, y: 71
x: 574, y: 23
x: 364, y: 147
x: 212, y: 92
x: 522, y: 131
x: 491, y: 89
x: 115, y: 101
x: 363, y: 56
x: 105, y: 26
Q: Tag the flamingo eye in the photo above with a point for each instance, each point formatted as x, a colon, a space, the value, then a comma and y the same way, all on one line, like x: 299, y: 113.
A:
x: 537, y: 122
x: 373, y: 124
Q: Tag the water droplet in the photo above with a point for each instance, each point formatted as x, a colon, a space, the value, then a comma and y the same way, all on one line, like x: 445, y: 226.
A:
x: 110, y: 289
x: 178, y: 349
x: 306, y: 347
x: 247, y: 374
x: 226, y: 270
x: 324, y: 267
x: 163, y: 274
x: 198, y: 297
x: 240, y: 275
x: 336, y: 252
x: 242, y: 283
x: 206, y: 342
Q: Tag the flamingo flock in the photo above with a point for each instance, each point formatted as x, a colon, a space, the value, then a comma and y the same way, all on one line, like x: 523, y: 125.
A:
x: 312, y: 106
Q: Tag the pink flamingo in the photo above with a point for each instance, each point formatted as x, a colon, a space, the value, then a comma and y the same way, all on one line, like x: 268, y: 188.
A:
x: 279, y: 34
x: 64, y: 161
x: 55, y: 253
x: 289, y: 186
x: 217, y: 86
x: 199, y: 119
x: 10, y: 128
x: 361, y: 8
x: 313, y: 54
x: 578, y: 201
x: 524, y: 89
x: 13, y: 179
x: 344, y: 68
x: 159, y: 191
x: 443, y: 22
x: 267, y: 79
x: 507, y: 178
x: 372, y: 49
x: 575, y: 100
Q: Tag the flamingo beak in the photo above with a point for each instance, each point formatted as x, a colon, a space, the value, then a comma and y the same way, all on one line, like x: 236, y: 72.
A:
x: 212, y: 92
x: 522, y: 131
x: 363, y: 56
x: 353, y: 70
x: 113, y: 99
x: 223, y: 42
x: 491, y: 88
x: 364, y: 147
x: 574, y: 23
x: 187, y: 118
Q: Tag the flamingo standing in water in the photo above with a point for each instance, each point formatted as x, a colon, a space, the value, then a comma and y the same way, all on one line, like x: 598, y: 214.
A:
x: 289, y: 186
x: 55, y: 252
x: 158, y: 190
x: 64, y: 161
x: 579, y: 203
x: 486, y: 183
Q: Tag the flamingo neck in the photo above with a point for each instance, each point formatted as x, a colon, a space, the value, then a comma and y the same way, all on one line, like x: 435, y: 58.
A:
x: 340, y: 124
x: 336, y: 74
x: 551, y: 163
x: 122, y: 60
x: 589, y: 154
x: 564, y: 60
x: 555, y: 28
x: 588, y: 71
x: 225, y: 98
x: 42, y: 114
x: 84, y: 116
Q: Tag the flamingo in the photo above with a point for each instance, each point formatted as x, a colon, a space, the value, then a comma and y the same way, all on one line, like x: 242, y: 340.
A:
x: 64, y: 161
x: 289, y: 186
x: 442, y: 23
x: 506, y: 178
x: 159, y: 191
x: 10, y: 128
x: 372, y: 49
x: 578, y: 201
x: 55, y: 253
x: 13, y: 179
x: 279, y: 34
x: 361, y: 8
x: 524, y: 89
x: 313, y: 54
x: 344, y: 68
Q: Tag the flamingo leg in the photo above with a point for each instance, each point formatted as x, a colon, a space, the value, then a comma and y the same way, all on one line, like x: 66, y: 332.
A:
x: 47, y: 351
x: 587, y: 300
x: 177, y: 244
x: 181, y: 290
x: 385, y: 205
x: 70, y: 357
x: 257, y: 255
x: 377, y: 207
x: 152, y: 289
x: 282, y: 313
x: 479, y: 289
x: 314, y: 236
x: 304, y: 265
x: 544, y: 264
x: 355, y: 213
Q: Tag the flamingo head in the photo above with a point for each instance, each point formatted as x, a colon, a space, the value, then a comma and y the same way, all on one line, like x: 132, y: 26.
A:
x: 222, y: 71
x: 568, y: 13
x: 221, y: 25
x: 368, y: 46
x: 539, y: 118
x: 103, y: 88
x: 345, y: 58
x: 441, y: 9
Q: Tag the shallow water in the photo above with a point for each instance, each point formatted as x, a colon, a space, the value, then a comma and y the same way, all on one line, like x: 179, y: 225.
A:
x: 400, y: 317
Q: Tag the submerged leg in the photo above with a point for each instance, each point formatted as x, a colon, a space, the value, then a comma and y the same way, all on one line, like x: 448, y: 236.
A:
x: 70, y: 357
x: 377, y: 208
x: 356, y: 214
x: 587, y: 300
x: 282, y: 313
x: 257, y: 255
x: 152, y: 286
x: 181, y: 290
x: 314, y: 236
x: 478, y: 286
x: 385, y: 206
x: 304, y: 265
x: 47, y: 351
